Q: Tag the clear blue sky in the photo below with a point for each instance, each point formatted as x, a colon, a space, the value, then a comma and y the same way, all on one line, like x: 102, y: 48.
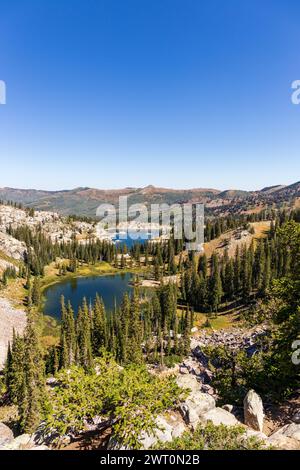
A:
x: 175, y: 93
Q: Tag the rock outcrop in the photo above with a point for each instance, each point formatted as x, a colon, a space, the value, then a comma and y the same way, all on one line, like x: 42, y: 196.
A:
x: 197, y: 403
x: 12, y: 247
x: 10, y: 319
x: 169, y: 427
x: 250, y: 433
x: 6, y: 434
x: 253, y: 411
x: 287, y: 437
x: 195, y: 406
x: 22, y: 442
x: 219, y: 416
x: 235, y: 339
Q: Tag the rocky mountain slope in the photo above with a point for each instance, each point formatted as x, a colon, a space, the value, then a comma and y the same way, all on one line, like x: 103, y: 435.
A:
x: 10, y: 319
x: 53, y: 225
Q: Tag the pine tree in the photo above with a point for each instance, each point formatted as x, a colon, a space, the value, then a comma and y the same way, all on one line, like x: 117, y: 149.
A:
x: 14, y: 370
x: 83, y: 330
x: 202, y: 292
x: 32, y: 403
x: 8, y: 366
x: 36, y: 292
x: 123, y: 262
x: 187, y: 333
x: 216, y: 291
x: 229, y: 279
x: 134, y: 351
x: 246, y: 275
x: 125, y: 318
x: 266, y: 272
x: 68, y: 335
x: 202, y: 266
x: 99, y: 339
x: 237, y: 273
x: 171, y: 262
x: 28, y: 280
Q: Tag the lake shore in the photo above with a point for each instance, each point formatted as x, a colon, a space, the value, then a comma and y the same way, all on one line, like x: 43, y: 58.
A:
x: 111, y: 287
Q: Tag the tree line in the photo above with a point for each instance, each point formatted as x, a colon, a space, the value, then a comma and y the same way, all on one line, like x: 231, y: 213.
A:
x: 206, y: 284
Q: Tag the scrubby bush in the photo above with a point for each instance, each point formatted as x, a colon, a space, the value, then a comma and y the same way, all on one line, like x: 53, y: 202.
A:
x: 212, y: 437
x: 129, y: 397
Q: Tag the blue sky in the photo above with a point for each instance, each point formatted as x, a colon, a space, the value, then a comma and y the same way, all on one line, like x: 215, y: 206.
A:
x: 175, y: 93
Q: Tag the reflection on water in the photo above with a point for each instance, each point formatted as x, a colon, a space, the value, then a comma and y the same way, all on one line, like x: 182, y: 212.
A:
x: 111, y: 288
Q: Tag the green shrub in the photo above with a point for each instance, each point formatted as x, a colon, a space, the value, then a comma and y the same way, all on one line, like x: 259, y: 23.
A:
x: 212, y: 437
x: 130, y: 396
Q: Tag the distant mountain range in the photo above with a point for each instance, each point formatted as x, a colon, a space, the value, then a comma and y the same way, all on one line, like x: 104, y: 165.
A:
x: 84, y: 201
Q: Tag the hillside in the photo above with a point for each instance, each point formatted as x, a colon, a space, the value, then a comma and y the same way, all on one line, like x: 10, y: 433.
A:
x: 84, y: 201
x: 236, y: 238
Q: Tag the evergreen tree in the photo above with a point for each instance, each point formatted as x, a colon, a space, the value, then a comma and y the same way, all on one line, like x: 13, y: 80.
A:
x: 36, y: 292
x: 32, y: 400
x: 83, y: 331
x: 216, y: 291
x: 99, y: 339
x: 202, y: 266
x: 134, y: 351
x: 14, y: 370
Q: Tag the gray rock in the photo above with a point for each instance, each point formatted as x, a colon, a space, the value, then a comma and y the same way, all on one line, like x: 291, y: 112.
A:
x: 21, y: 442
x: 162, y: 433
x: 195, y: 406
x: 234, y: 339
x: 168, y: 428
x: 12, y: 247
x: 258, y: 435
x: 287, y: 437
x: 284, y: 443
x: 192, y: 365
x: 289, y: 430
x: 52, y: 381
x: 219, y: 416
x: 178, y: 430
x: 188, y: 382
x: 253, y: 411
x: 41, y: 447
x: 6, y: 434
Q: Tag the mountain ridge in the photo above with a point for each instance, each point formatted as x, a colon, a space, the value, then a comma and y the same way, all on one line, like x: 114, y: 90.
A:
x: 85, y: 200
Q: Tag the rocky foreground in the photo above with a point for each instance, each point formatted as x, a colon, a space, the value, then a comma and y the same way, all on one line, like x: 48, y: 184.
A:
x: 198, y: 408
